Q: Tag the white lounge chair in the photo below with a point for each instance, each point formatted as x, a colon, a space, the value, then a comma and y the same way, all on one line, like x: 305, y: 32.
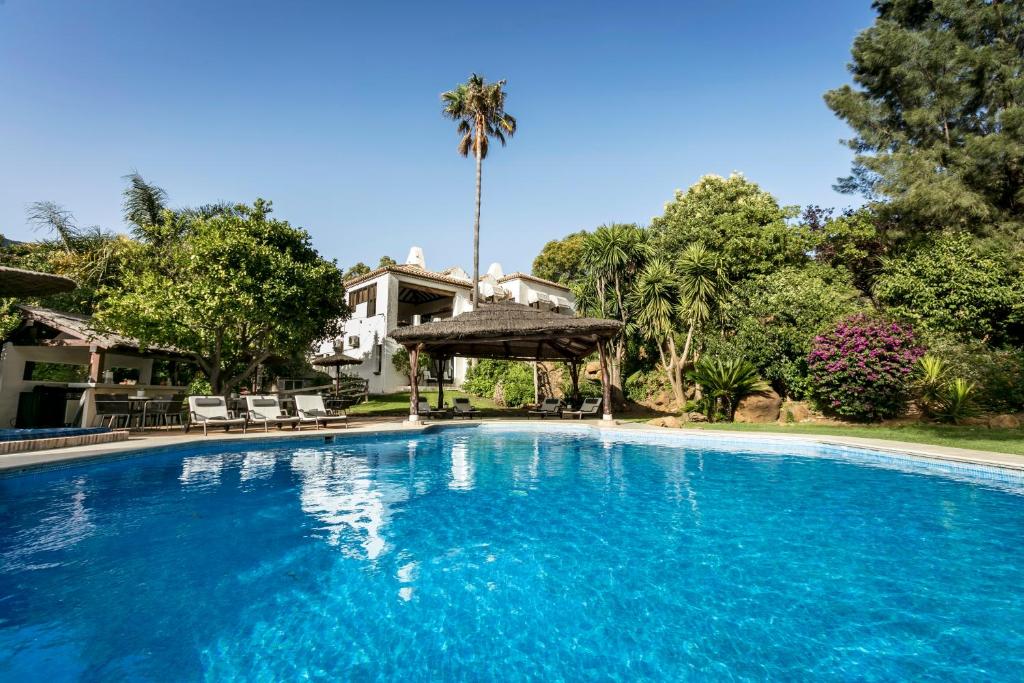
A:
x: 591, y: 408
x: 212, y: 411
x: 267, y: 409
x: 464, y: 409
x: 311, y: 408
x: 550, y: 407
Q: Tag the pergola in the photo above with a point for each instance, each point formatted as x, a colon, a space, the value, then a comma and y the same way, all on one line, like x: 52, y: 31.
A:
x: 508, y: 331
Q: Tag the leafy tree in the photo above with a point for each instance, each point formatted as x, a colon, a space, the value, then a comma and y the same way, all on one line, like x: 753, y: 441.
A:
x: 356, y: 271
x: 937, y: 114
x: 853, y: 240
x: 948, y: 283
x: 231, y: 291
x: 736, y: 219
x: 479, y: 109
x: 386, y: 262
x: 772, y: 319
x: 561, y: 260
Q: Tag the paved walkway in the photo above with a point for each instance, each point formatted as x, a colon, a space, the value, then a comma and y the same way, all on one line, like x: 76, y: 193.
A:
x: 372, y: 425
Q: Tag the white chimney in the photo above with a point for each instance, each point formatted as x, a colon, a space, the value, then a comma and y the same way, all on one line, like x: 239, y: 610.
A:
x: 415, y: 258
x: 495, y: 271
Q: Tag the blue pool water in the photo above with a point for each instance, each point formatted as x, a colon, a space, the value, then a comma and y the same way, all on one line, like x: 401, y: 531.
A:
x: 482, y: 554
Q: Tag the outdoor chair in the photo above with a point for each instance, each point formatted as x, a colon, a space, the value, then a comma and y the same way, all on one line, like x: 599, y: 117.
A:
x: 212, y: 411
x: 551, y: 407
x: 267, y: 409
x: 112, y: 409
x: 424, y: 410
x: 464, y: 409
x: 591, y: 408
x: 311, y: 409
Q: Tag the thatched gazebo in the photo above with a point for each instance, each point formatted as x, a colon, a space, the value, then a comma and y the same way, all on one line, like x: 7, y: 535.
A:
x: 336, y: 361
x: 16, y: 282
x: 509, y: 331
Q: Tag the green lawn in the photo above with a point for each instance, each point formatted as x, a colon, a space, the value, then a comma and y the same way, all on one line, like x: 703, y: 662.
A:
x: 978, y: 438
x: 398, y: 404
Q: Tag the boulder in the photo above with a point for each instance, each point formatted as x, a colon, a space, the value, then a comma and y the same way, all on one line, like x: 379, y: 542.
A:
x: 696, y: 417
x: 974, y: 421
x: 759, y: 408
x: 794, y: 411
x: 1004, y: 422
x: 670, y: 421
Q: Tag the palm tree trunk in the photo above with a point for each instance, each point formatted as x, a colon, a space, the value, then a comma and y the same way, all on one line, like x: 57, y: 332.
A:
x: 476, y: 223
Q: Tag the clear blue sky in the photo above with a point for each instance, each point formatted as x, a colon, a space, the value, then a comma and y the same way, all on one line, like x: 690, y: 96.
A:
x: 331, y: 110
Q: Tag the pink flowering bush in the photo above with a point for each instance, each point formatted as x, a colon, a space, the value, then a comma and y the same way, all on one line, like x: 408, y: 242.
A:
x: 862, y: 369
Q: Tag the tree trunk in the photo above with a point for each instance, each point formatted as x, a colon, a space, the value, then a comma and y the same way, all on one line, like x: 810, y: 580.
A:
x: 476, y: 220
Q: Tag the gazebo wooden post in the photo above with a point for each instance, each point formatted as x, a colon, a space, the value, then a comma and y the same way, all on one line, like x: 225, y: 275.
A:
x: 439, y: 364
x: 606, y: 390
x: 414, y: 393
x: 97, y: 363
x: 574, y: 377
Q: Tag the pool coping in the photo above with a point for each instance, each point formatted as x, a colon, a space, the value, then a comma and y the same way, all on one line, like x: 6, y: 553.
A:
x: 141, y: 445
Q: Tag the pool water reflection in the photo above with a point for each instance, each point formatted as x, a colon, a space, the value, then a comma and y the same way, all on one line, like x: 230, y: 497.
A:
x: 482, y: 554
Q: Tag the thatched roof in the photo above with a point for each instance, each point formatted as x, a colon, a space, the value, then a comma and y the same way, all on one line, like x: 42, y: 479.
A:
x: 512, y: 331
x: 336, y: 360
x: 24, y: 283
x: 64, y: 328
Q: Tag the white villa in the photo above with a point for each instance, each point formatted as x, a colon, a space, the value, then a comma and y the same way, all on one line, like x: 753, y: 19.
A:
x: 410, y: 294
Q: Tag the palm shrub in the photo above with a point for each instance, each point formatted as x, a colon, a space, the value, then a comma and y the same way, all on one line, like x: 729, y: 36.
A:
x: 955, y: 401
x: 863, y: 367
x: 725, y: 382
x: 931, y: 382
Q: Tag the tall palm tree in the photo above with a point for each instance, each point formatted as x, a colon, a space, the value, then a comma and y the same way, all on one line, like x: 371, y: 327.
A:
x: 479, y: 109
x: 613, y: 256
x: 702, y: 280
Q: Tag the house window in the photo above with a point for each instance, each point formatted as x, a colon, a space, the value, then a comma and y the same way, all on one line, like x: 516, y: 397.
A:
x: 378, y: 351
x: 353, y: 342
x: 367, y: 295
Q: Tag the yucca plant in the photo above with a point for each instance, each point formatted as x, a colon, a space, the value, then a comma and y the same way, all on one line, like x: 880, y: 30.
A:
x: 725, y: 382
x: 930, y: 382
x: 955, y: 402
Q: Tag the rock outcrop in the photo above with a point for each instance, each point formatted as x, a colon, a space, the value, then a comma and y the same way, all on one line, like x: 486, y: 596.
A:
x: 759, y: 408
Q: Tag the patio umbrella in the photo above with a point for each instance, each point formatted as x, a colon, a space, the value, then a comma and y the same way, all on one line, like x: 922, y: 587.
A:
x: 336, y: 361
x: 16, y: 282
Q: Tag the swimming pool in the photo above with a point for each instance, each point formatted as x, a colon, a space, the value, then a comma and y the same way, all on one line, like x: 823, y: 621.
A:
x: 498, y: 553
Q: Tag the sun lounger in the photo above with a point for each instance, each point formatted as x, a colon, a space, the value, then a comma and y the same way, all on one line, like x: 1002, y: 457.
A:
x: 591, y: 408
x: 424, y: 409
x: 267, y: 409
x: 550, y: 407
x: 311, y: 409
x: 212, y: 411
x: 464, y: 409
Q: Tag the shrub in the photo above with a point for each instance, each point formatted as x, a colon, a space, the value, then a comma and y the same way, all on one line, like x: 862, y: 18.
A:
x: 998, y: 374
x: 725, y: 383
x: 955, y: 402
x: 950, y: 283
x: 863, y: 368
x: 771, y: 320
x: 643, y: 384
x: 509, y: 383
